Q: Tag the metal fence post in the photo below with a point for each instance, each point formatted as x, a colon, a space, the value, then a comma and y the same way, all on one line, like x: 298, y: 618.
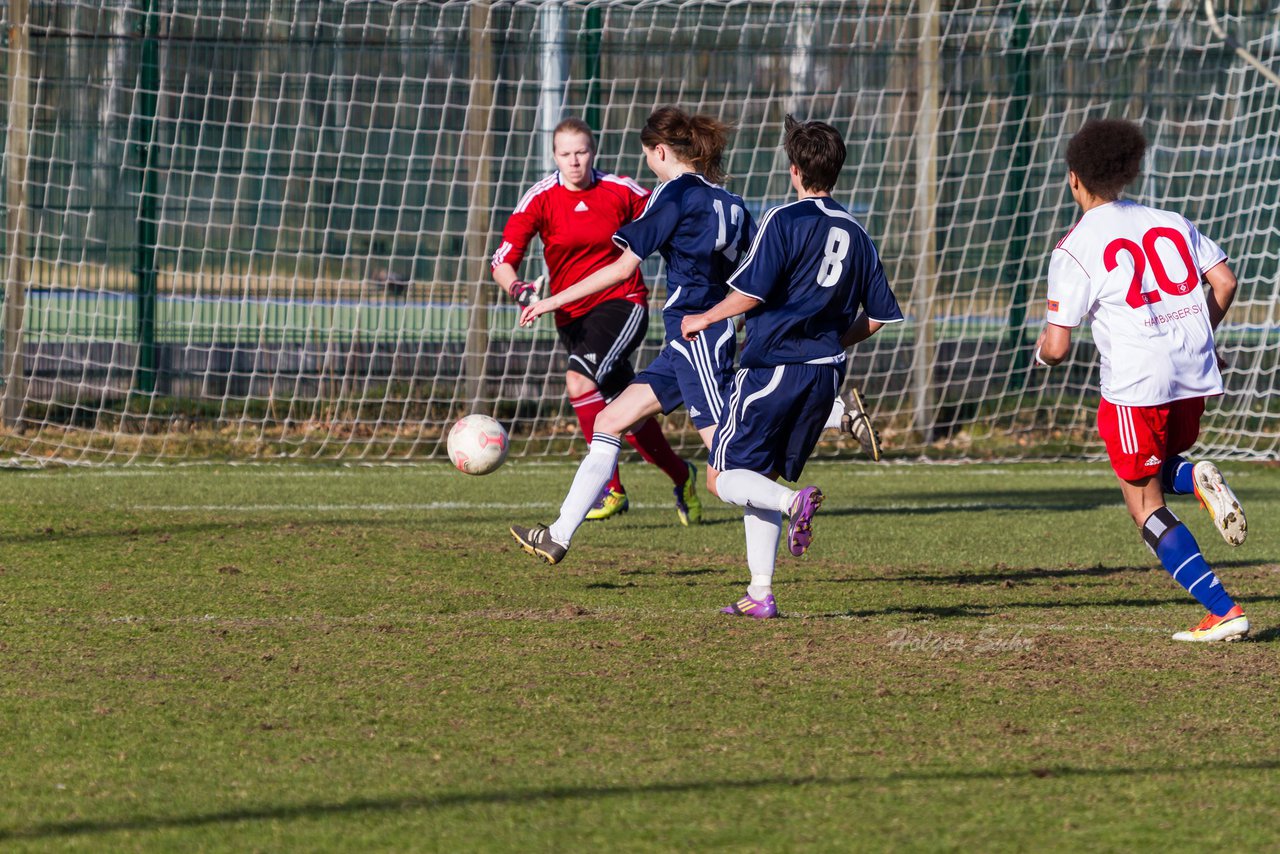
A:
x: 145, y: 151
x: 1018, y: 267
x: 592, y: 37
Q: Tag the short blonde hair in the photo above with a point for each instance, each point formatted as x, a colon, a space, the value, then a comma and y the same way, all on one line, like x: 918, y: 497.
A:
x: 573, y: 124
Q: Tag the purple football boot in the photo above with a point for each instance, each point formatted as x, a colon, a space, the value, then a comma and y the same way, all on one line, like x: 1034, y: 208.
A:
x: 800, y: 519
x: 755, y: 608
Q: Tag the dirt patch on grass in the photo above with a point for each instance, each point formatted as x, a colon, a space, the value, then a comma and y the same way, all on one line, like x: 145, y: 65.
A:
x: 564, y: 613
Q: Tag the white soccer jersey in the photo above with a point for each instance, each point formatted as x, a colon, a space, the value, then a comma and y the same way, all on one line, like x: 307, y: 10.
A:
x: 1137, y: 274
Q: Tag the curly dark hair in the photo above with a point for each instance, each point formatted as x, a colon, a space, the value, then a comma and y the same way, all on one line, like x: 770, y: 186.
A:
x: 1106, y: 154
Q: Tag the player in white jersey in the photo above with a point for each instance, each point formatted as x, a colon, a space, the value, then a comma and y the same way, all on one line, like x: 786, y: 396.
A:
x: 1137, y: 273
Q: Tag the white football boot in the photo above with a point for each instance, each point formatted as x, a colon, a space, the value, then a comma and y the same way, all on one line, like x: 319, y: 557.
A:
x: 1220, y: 501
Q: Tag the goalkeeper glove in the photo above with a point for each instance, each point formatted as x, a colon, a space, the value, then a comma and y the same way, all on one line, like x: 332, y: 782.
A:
x: 524, y: 293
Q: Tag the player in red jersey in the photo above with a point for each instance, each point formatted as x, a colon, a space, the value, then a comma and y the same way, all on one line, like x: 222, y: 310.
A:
x: 1137, y: 274
x: 575, y: 211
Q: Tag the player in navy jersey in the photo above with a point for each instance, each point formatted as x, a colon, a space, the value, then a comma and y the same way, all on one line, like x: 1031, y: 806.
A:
x: 811, y: 286
x: 575, y: 212
x: 700, y: 229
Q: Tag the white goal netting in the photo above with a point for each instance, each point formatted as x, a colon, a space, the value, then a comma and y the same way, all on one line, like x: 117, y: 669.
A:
x: 260, y: 228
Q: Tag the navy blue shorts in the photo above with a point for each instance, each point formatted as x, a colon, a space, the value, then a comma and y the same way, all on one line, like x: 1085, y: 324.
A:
x: 774, y: 418
x: 694, y: 374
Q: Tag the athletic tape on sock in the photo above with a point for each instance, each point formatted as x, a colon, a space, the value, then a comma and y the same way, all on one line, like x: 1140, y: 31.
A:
x: 1158, y: 524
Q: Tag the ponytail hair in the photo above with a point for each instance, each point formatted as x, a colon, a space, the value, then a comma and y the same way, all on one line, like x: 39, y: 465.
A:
x: 698, y: 140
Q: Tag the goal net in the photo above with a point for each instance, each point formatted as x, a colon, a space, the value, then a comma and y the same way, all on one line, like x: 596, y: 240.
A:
x: 261, y: 228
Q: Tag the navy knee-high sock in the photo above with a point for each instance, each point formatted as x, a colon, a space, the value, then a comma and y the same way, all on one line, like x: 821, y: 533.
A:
x: 1180, y: 555
x: 1175, y: 476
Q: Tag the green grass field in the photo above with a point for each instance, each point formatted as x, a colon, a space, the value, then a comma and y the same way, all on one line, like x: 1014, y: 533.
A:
x: 345, y: 659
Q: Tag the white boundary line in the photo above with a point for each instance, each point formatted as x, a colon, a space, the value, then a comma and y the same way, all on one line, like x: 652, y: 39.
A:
x: 347, y: 508
x: 877, y: 507
x: 530, y: 468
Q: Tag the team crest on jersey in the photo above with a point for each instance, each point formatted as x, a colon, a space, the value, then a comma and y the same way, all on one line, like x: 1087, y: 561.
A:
x: 582, y: 206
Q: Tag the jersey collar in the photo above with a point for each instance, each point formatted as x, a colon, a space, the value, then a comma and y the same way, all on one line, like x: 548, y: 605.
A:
x: 596, y: 177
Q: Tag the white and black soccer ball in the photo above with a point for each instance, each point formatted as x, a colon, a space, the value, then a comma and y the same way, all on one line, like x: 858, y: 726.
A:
x: 477, y: 444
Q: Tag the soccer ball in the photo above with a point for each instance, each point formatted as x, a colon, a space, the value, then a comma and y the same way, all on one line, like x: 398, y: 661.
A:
x: 477, y: 444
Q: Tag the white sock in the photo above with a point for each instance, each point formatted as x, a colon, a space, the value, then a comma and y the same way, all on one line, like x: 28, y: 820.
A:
x: 837, y: 413
x: 764, y: 528
x: 593, y: 473
x: 748, y: 489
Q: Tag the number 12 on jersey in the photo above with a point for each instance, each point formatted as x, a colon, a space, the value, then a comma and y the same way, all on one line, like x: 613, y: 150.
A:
x: 724, y: 245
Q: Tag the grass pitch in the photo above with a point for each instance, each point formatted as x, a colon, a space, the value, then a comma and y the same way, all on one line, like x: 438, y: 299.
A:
x: 310, y: 658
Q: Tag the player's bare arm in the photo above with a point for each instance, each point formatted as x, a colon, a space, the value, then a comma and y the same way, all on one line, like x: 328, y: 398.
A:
x: 523, y: 292
x: 504, y: 274
x: 731, y: 306
x: 1053, y: 345
x: 606, y: 277
x: 863, y: 328
x: 1222, y: 291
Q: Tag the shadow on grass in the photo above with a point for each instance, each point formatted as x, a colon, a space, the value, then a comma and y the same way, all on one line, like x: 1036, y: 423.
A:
x: 974, y: 610
x: 1268, y: 635
x: 171, y: 529
x: 935, y: 503
x: 707, y: 521
x: 553, y: 794
x: 996, y: 576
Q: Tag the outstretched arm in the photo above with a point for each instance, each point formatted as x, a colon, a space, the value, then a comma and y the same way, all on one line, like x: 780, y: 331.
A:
x: 731, y: 306
x: 606, y: 277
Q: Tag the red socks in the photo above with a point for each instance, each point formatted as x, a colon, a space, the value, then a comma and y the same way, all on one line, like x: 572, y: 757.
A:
x: 654, y: 447
x: 648, y: 439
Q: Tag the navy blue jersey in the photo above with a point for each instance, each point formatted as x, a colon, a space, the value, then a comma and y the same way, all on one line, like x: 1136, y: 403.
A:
x: 813, y: 268
x: 700, y: 229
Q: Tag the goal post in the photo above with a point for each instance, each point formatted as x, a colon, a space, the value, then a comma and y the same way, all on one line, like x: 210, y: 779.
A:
x: 17, y: 264
x: 260, y: 228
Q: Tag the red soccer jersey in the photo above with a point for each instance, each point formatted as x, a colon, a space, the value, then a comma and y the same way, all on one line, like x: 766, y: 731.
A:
x: 577, y: 235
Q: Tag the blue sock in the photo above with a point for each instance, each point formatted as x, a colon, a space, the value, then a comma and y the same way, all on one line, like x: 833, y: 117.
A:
x: 1180, y: 555
x: 1175, y: 476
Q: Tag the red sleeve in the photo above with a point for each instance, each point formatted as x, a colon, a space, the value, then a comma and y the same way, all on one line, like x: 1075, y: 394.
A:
x: 519, y: 230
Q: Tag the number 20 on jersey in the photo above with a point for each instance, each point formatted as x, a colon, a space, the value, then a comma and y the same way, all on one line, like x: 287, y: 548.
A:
x: 1147, y: 255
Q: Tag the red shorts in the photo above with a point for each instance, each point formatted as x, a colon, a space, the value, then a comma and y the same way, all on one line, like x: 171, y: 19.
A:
x: 1140, y: 438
